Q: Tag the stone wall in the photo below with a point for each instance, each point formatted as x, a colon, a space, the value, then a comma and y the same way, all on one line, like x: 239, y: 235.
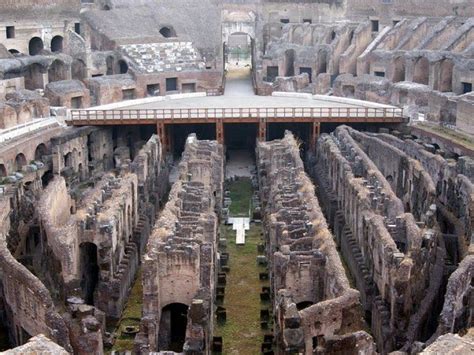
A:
x: 314, y: 305
x: 180, y: 265
x: 454, y: 191
x: 381, y: 241
x: 28, y: 305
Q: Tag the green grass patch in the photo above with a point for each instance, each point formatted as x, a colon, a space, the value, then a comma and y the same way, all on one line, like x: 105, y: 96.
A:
x: 241, y: 192
x: 241, y: 333
x: 130, y: 317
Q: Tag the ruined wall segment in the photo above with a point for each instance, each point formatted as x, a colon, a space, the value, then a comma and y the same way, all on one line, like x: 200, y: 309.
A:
x: 315, y: 307
x: 381, y: 241
x: 180, y: 264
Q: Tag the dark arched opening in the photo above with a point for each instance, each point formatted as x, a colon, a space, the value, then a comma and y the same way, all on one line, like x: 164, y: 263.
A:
x: 399, y: 70
x: 35, y: 46
x: 40, y: 152
x: 302, y: 305
x: 78, y: 70
x: 34, y: 77
x: 446, y: 76
x: 57, y: 44
x: 173, y: 323
x: 13, y: 51
x: 68, y: 160
x: 167, y: 32
x: 57, y: 71
x: 422, y: 71
x: 20, y: 162
x: 90, y: 271
x: 3, y: 171
x: 123, y: 66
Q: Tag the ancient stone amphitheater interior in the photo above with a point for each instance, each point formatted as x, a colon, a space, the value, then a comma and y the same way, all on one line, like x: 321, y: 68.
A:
x: 236, y: 177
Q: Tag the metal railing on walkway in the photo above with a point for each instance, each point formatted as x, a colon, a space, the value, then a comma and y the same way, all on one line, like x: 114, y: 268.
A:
x: 237, y: 113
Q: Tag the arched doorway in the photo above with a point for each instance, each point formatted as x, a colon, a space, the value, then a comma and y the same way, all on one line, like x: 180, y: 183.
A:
x: 20, y: 162
x: 123, y: 66
x: 172, y: 331
x: 40, y: 152
x: 57, y: 44
x: 421, y: 73
x: 34, y: 77
x: 89, y: 271
x: 35, y: 46
x: 57, y: 71
x: 69, y: 160
x: 78, y: 70
x: 446, y: 76
x: 399, y: 70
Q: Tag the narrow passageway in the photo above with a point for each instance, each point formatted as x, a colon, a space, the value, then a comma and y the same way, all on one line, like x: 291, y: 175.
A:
x: 242, y: 333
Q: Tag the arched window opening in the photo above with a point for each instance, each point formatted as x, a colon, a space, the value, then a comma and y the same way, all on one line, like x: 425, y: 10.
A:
x: 40, y: 152
x: 20, y: 162
x: 422, y: 71
x: 123, y: 66
x: 35, y: 46
x: 57, y: 44
x: 57, y: 71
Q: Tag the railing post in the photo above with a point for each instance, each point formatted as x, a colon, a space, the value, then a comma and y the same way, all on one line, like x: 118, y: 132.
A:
x: 219, y: 131
x: 262, y: 129
x: 315, y: 131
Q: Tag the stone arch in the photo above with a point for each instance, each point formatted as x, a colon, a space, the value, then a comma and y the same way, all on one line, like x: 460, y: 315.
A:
x: 78, y: 70
x: 3, y: 171
x: 322, y: 62
x: 445, y: 83
x: 167, y: 31
x: 20, y: 162
x: 57, y: 71
x: 35, y: 46
x: 172, y: 330
x: 399, y: 69
x: 40, y: 151
x: 299, y: 35
x: 34, y: 77
x: 69, y: 160
x: 421, y: 73
x: 57, y: 44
